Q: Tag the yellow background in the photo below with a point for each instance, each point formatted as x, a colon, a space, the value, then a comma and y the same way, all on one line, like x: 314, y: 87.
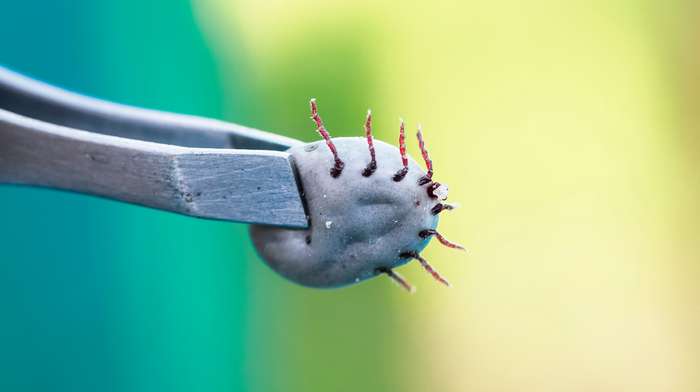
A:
x: 567, y: 133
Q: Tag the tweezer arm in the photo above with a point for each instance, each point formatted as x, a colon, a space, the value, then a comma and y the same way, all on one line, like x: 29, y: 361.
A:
x: 247, y: 186
x: 40, y: 101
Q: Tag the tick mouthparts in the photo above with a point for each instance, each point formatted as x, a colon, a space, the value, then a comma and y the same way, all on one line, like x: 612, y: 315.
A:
x: 438, y: 191
x: 441, y: 192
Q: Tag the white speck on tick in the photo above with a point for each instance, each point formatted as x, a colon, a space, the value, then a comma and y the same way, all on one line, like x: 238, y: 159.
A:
x: 357, y: 280
x: 328, y: 224
x: 441, y: 192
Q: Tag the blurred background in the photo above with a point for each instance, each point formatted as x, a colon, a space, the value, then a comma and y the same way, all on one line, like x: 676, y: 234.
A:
x: 567, y: 131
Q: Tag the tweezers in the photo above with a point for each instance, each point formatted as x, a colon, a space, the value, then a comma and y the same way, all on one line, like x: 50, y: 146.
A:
x: 190, y: 165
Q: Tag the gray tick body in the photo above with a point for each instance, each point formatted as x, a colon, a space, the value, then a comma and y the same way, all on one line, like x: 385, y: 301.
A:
x: 369, y: 212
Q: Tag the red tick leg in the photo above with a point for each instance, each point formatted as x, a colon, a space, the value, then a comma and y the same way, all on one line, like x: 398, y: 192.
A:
x: 339, y: 164
x: 428, y: 163
x: 440, y: 207
x: 398, y: 279
x: 404, y: 158
x: 372, y: 165
x: 428, y: 232
x: 424, y: 263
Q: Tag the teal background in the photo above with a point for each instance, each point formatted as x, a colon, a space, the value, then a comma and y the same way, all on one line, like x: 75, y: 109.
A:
x: 98, y: 295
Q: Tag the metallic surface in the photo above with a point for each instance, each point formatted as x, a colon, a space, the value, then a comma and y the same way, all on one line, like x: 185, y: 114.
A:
x: 184, y: 164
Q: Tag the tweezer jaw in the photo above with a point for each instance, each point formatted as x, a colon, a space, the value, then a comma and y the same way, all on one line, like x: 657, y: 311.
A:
x: 53, y: 138
x: 40, y: 101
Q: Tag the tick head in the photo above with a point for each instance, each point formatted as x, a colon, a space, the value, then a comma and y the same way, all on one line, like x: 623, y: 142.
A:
x: 437, y: 191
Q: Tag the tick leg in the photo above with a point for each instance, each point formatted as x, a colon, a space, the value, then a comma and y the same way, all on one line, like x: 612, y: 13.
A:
x: 338, y: 166
x: 404, y: 158
x: 428, y: 163
x: 372, y: 165
x: 428, y: 232
x: 423, y: 262
x: 398, y: 279
x: 439, y: 207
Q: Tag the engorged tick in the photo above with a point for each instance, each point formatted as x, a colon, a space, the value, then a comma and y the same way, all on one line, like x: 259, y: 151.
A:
x: 366, y: 216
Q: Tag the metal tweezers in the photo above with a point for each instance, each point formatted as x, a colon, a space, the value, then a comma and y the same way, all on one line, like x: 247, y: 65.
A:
x: 185, y: 164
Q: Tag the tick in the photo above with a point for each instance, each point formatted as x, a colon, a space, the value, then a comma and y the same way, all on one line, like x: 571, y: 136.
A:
x: 371, y: 209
